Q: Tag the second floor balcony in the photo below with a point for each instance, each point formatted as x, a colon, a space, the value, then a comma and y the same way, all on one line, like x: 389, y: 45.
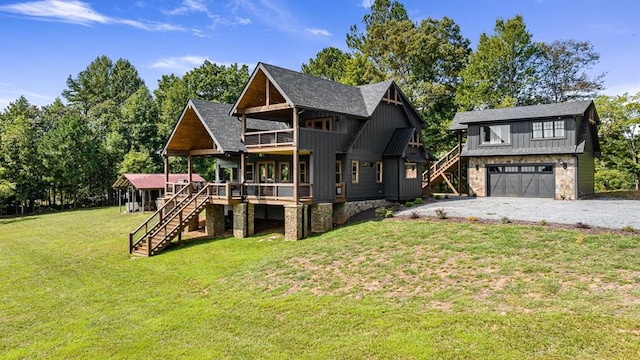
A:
x: 260, y: 140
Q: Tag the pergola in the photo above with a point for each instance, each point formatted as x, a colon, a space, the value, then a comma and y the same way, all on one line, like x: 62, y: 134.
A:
x: 143, y: 186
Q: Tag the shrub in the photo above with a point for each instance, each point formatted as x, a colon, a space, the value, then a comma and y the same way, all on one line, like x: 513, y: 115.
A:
x: 628, y: 228
x: 437, y: 197
x: 414, y: 215
x: 441, y: 214
x: 472, y: 218
x: 408, y: 204
x: 418, y: 201
x: 543, y: 222
x: 381, y: 212
x: 505, y: 220
x: 389, y: 214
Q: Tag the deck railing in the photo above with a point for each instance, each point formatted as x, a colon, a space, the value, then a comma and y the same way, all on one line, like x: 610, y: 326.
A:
x: 278, y: 191
x: 224, y: 191
x: 269, y: 138
x: 442, y: 164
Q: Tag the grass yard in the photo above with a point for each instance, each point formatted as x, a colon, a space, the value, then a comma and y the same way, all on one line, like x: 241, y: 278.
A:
x: 378, y: 290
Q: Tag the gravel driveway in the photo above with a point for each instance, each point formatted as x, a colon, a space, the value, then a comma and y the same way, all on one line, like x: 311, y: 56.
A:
x: 613, y: 214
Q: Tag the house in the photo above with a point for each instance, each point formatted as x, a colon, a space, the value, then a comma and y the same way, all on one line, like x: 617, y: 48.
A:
x: 142, y: 191
x: 542, y: 151
x: 296, y: 148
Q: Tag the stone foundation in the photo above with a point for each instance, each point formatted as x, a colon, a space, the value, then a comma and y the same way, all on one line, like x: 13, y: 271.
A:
x: 565, y: 179
x: 321, y: 217
x: 343, y: 211
x: 214, y: 220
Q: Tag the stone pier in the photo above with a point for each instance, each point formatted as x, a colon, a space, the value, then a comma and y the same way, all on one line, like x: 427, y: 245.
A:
x: 321, y: 217
x: 243, y: 220
x: 215, y: 220
x: 293, y: 222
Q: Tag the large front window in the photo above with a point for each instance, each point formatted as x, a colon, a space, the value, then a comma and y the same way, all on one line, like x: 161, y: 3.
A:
x: 496, y: 134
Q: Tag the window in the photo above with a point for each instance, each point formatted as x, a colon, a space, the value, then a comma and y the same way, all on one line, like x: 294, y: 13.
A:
x: 302, y: 174
x: 248, y: 173
x: 379, y: 171
x: 284, y: 172
x: 319, y: 124
x: 338, y: 171
x: 411, y: 170
x: 548, y: 129
x: 415, y: 139
x: 355, y: 171
x: 496, y: 134
x: 267, y: 171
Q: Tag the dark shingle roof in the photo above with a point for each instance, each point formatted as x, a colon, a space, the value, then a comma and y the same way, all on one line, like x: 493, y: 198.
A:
x: 227, y: 129
x: 316, y: 93
x: 519, y: 113
x: 525, y: 151
x: 398, y: 142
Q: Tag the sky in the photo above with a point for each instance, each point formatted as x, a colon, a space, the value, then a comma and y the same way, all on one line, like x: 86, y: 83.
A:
x: 44, y: 42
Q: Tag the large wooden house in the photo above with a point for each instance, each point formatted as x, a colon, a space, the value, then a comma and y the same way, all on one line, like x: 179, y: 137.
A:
x: 304, y: 150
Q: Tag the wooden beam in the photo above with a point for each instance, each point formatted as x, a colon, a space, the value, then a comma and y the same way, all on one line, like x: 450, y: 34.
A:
x: 265, y: 108
x: 204, y: 152
x: 267, y: 101
x: 177, y: 153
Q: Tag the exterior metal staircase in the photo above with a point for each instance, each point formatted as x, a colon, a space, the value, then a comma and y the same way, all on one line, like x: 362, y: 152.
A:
x: 441, y: 169
x: 152, y: 236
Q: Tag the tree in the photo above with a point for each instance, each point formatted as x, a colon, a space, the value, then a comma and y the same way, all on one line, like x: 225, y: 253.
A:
x: 502, y: 70
x: 219, y: 83
x: 425, y: 59
x: 562, y: 71
x: 620, y: 133
x: 329, y: 63
x: 102, y: 80
x: 137, y: 162
x: 19, y: 134
x: 71, y: 158
x: 171, y: 96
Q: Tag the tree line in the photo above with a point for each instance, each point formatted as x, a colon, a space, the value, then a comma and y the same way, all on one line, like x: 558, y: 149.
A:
x: 70, y: 152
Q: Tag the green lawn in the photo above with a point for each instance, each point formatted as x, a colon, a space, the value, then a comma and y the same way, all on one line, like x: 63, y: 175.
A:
x: 377, y: 290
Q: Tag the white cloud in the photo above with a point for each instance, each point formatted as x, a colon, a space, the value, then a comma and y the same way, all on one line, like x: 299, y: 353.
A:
x: 619, y: 89
x: 366, y: 3
x: 10, y: 95
x: 274, y: 13
x: 321, y: 32
x: 81, y: 13
x: 181, y: 64
x: 189, y: 6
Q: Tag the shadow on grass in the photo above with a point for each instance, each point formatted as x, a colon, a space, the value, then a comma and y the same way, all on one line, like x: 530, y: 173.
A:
x: 17, y: 219
x: 194, y: 241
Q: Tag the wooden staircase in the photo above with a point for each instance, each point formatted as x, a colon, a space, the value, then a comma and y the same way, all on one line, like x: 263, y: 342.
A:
x: 152, y: 236
x: 441, y: 169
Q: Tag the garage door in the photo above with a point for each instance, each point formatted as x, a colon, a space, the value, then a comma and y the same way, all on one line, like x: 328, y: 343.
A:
x: 527, y: 180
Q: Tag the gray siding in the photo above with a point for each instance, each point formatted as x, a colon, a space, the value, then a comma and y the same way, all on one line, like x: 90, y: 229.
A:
x: 367, y: 187
x: 396, y: 185
x: 522, y: 137
x: 586, y: 170
x: 379, y: 129
x: 324, y: 146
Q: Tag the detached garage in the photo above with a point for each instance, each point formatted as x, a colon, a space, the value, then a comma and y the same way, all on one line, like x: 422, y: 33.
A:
x: 539, y: 151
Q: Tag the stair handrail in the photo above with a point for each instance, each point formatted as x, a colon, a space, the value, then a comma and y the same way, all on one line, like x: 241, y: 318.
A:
x: 157, y: 215
x: 452, y: 154
x: 180, y: 215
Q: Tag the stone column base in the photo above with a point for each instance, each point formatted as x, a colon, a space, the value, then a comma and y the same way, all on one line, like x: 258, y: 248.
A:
x: 321, y: 217
x: 215, y: 220
x: 293, y: 222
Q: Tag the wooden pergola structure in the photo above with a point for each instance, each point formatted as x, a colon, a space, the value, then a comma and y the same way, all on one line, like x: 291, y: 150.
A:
x: 147, y: 188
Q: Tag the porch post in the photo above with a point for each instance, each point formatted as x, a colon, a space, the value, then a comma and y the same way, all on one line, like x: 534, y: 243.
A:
x: 241, y: 170
x: 119, y: 200
x: 144, y: 193
x: 166, y: 173
x: 296, y: 160
x: 190, y: 172
x: 244, y: 126
x: 459, y: 162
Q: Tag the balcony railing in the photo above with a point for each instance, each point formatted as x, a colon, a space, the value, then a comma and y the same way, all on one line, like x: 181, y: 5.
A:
x: 224, y: 191
x: 269, y: 138
x: 277, y: 191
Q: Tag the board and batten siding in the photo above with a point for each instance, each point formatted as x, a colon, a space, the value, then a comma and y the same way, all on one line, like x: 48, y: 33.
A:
x: 324, y: 145
x: 396, y: 184
x: 367, y: 187
x: 522, y: 136
x: 586, y: 170
x: 378, y: 130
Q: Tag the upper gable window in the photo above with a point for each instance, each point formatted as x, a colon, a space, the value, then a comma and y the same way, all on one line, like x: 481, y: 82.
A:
x: 319, y: 124
x: 495, y: 134
x: 548, y: 129
x: 415, y: 139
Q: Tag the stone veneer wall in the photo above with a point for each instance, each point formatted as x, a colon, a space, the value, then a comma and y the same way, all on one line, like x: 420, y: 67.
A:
x: 343, y: 211
x: 565, y: 179
x: 293, y: 222
x: 321, y: 217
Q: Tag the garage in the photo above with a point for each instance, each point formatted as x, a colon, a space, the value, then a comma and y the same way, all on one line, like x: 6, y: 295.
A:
x: 526, y: 180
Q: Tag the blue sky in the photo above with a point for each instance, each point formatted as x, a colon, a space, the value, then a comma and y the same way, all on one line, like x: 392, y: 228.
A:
x: 45, y: 41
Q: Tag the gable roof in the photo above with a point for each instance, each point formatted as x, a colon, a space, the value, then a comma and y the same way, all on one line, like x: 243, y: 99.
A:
x: 520, y: 113
x: 150, y: 181
x: 307, y: 91
x: 224, y: 129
